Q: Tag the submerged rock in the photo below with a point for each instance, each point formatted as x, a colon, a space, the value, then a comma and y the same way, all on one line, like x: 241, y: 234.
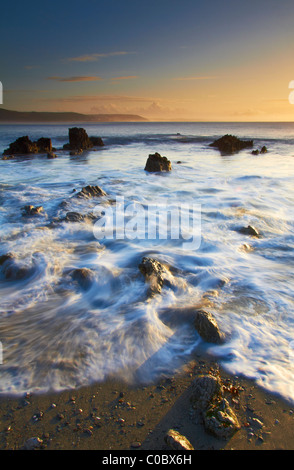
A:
x: 207, y: 327
x: 30, y: 210
x: 83, y: 276
x: 153, y: 271
x: 249, y: 230
x: 23, y: 146
x: 229, y: 144
x: 176, y: 441
x: 91, y: 191
x: 12, y: 269
x: 157, y: 163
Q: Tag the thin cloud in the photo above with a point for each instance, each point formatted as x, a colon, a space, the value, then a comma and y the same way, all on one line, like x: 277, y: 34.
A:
x: 129, y: 77
x: 95, y: 57
x: 75, y: 79
x: 196, y: 78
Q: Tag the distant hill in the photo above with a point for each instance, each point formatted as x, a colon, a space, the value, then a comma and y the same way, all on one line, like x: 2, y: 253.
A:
x: 36, y: 116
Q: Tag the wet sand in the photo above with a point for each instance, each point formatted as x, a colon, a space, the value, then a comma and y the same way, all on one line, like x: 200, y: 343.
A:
x: 116, y: 416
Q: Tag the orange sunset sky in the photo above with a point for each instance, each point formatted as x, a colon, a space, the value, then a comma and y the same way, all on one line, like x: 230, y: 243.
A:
x: 164, y: 60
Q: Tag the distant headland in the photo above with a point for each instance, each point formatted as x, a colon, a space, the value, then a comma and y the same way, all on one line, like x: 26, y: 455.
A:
x: 8, y: 116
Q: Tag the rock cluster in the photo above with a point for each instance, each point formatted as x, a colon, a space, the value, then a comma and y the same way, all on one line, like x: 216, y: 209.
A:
x: 229, y: 144
x: 79, y: 140
x: 157, y: 163
x: 218, y: 417
x: 257, y: 152
x: 23, y: 146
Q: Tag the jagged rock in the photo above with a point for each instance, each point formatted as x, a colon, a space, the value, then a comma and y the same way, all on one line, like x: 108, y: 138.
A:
x: 207, y: 327
x: 83, y: 276
x: 32, y: 443
x: 249, y: 230
x: 204, y: 389
x: 229, y: 144
x: 157, y: 163
x: 176, y: 441
x: 255, y: 152
x: 263, y: 150
x: 153, y: 271
x: 218, y: 417
x: 220, y: 420
x: 79, y: 140
x: 44, y: 145
x: 91, y: 191
x: 23, y: 146
x: 32, y: 210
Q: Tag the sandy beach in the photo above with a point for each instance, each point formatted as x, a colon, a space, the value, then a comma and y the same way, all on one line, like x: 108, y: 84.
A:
x: 115, y: 416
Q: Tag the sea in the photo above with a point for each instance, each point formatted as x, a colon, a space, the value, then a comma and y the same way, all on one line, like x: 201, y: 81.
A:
x: 58, y: 334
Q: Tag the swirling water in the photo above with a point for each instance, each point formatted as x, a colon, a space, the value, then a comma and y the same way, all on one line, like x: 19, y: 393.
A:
x: 55, y: 334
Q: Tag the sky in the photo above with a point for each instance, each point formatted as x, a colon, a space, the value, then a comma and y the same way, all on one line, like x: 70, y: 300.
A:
x: 212, y: 60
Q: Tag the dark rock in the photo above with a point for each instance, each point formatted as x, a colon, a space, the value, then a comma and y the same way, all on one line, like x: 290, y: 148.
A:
x: 97, y: 141
x: 12, y: 269
x: 207, y: 327
x: 91, y: 191
x: 44, y: 145
x: 6, y: 257
x: 23, y: 146
x: 249, y: 230
x: 157, y: 163
x: 229, y: 144
x: 32, y: 210
x: 77, y: 217
x: 74, y: 217
x: 79, y: 140
x: 257, y: 152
